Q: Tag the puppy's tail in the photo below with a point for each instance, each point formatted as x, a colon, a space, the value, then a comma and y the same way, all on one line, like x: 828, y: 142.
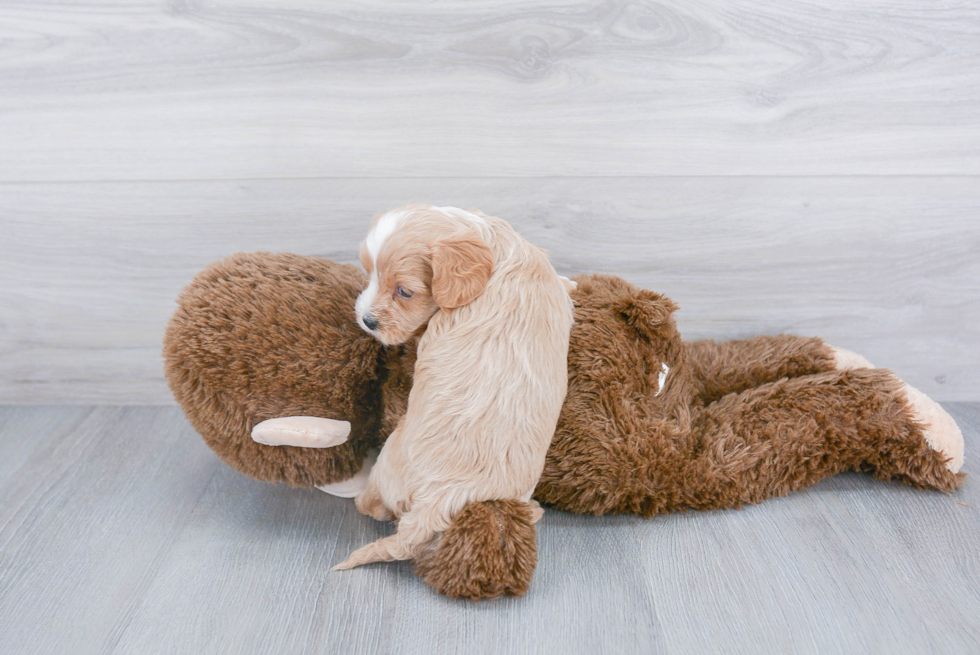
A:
x: 489, y: 550
x: 417, y: 528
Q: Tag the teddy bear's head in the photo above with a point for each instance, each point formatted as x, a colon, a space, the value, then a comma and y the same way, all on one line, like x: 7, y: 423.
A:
x: 262, y: 335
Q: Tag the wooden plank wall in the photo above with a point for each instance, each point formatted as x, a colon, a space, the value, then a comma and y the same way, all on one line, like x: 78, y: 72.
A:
x: 807, y: 167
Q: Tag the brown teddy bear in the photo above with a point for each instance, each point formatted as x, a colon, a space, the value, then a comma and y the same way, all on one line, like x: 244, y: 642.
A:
x: 650, y: 424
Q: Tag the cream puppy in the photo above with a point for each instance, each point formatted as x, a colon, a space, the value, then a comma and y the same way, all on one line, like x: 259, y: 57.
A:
x: 490, y: 377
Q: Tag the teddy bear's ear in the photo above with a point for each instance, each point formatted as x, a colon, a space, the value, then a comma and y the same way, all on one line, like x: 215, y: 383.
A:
x: 649, y: 313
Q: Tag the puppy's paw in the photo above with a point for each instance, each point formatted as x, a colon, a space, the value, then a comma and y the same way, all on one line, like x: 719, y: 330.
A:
x: 352, y: 486
x: 302, y: 431
x: 941, y: 432
x: 570, y: 285
x: 370, y: 504
x: 536, y: 511
x: 846, y: 360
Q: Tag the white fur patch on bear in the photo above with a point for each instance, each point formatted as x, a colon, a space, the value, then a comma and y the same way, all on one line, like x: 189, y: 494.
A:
x: 662, y: 378
x: 846, y: 360
x: 941, y: 431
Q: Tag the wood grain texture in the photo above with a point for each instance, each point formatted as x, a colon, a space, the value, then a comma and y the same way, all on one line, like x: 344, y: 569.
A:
x: 187, y: 89
x: 885, y: 266
x: 85, y: 519
x: 122, y: 533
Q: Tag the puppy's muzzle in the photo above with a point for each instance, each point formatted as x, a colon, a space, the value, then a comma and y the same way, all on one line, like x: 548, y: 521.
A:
x: 370, y: 322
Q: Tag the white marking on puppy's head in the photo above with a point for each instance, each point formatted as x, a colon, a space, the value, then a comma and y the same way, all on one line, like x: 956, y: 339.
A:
x: 380, y: 231
x: 420, y: 259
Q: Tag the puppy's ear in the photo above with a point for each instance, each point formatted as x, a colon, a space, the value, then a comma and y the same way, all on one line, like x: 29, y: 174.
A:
x: 461, y: 267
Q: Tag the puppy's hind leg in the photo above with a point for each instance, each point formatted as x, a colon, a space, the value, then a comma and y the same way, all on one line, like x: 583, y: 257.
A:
x: 416, y: 529
x: 370, y: 503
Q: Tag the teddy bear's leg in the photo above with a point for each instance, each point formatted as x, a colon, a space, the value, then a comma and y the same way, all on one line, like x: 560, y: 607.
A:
x: 848, y: 360
x: 489, y: 550
x: 719, y: 369
x: 938, y: 427
x: 790, y: 434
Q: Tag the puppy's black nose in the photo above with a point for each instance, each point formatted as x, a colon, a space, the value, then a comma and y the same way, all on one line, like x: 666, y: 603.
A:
x: 370, y: 322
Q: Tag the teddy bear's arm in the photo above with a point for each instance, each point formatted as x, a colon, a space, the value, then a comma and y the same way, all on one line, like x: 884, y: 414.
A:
x: 719, y: 369
x: 302, y: 431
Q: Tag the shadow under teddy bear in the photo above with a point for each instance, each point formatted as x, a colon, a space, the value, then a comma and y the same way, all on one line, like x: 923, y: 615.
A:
x: 651, y: 424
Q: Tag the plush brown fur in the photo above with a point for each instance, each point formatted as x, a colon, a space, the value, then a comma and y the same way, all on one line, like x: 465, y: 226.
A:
x: 261, y: 336
x: 736, y: 423
x: 719, y: 369
x: 489, y: 551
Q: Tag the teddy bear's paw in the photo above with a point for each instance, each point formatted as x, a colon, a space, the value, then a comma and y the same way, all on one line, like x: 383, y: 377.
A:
x: 352, y: 486
x: 489, y: 550
x: 846, y: 360
x: 941, y: 432
x: 302, y: 431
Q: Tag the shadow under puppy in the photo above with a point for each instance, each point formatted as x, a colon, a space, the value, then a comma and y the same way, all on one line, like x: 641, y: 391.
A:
x: 490, y: 374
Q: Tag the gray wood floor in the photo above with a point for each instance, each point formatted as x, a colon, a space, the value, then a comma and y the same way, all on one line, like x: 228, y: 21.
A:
x: 120, y: 532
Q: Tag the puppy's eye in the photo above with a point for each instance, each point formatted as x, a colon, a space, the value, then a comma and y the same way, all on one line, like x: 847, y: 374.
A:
x: 404, y: 293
